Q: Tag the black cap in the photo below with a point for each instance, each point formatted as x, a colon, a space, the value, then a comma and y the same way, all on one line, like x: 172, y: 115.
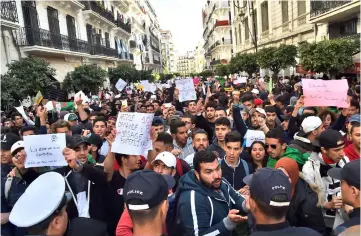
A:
x: 266, y: 183
x: 95, y: 140
x: 329, y: 139
x: 7, y: 140
x: 349, y: 173
x: 77, y: 140
x: 146, y: 189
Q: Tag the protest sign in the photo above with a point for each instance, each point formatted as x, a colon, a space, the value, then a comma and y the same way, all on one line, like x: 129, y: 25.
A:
x: 325, y: 92
x: 25, y: 117
x: 241, y: 80
x: 120, y: 85
x: 254, y: 135
x: 38, y: 98
x: 49, y: 106
x: 26, y: 102
x: 186, y: 90
x: 81, y: 95
x: 132, y: 133
x: 44, y: 150
x: 228, y: 89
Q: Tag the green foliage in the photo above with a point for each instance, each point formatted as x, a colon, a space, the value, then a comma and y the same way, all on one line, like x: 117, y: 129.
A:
x: 126, y: 72
x: 222, y: 70
x: 25, y: 78
x: 87, y: 78
x: 146, y: 75
x: 206, y: 73
x: 244, y: 62
x: 328, y: 55
x: 277, y: 58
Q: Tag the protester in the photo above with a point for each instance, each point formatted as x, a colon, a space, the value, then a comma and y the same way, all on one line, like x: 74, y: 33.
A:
x: 181, y: 141
x: 205, y: 204
x: 257, y: 152
x: 268, y: 201
x: 7, y: 141
x: 200, y: 142
x: 349, y: 176
x: 222, y: 127
x: 353, y: 150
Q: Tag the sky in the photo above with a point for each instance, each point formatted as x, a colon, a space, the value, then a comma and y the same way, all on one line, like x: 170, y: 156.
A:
x: 183, y: 18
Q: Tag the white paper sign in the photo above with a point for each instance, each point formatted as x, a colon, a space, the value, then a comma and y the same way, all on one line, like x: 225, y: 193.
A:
x: 186, y: 90
x: 81, y: 95
x: 44, y: 150
x: 241, y: 80
x: 26, y: 102
x: 120, y: 85
x: 133, y: 133
x: 25, y: 117
x: 254, y: 135
x: 49, y: 106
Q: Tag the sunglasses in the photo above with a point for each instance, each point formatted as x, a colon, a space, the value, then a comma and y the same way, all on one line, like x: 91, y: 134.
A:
x: 273, y: 146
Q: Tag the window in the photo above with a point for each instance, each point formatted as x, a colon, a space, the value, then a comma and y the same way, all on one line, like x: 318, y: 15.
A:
x: 107, y: 42
x: 264, y: 11
x: 70, y: 22
x: 255, y: 25
x: 246, y: 28
x: 236, y: 35
x: 284, y: 11
x: 301, y: 7
x: 240, y: 33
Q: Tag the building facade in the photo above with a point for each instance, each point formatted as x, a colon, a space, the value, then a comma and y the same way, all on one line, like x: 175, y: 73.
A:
x: 199, y: 59
x: 70, y: 33
x: 264, y: 23
x: 186, y: 64
x: 168, y: 52
x: 217, y: 33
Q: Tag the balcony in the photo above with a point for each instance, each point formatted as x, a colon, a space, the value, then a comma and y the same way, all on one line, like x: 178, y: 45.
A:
x: 122, y: 5
x: 156, y: 61
x: 9, y: 14
x: 333, y: 11
x: 220, y: 43
x: 43, y: 41
x: 95, y: 10
x: 125, y: 27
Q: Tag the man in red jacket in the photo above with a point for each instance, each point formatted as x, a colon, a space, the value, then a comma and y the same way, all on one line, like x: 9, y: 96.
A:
x: 353, y: 150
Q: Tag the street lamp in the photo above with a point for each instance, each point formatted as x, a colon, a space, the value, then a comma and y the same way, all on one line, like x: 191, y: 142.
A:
x: 251, y: 13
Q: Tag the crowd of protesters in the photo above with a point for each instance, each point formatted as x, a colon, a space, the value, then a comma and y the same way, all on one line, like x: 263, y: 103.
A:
x: 200, y: 177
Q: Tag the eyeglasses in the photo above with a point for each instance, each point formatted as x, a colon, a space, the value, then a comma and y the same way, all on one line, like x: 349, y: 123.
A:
x: 273, y: 146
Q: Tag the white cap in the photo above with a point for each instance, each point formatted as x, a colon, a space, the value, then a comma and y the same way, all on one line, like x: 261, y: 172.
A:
x: 17, y: 145
x: 260, y: 110
x: 255, y: 91
x: 167, y: 158
x: 40, y: 200
x: 311, y: 123
x: 70, y: 117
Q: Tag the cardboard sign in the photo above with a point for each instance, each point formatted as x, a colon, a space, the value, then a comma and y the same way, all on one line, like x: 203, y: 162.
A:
x: 186, y: 90
x: 254, y: 135
x: 325, y: 92
x: 44, y: 150
x: 133, y: 133
x: 120, y: 85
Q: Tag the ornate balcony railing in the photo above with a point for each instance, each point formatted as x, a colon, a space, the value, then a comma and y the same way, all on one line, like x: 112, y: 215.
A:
x: 44, y: 38
x: 125, y: 26
x: 100, y: 9
x: 9, y: 11
x: 320, y: 7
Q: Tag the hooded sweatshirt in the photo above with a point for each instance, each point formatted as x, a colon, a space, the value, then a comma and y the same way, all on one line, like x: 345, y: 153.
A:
x: 292, y: 153
x: 202, y: 210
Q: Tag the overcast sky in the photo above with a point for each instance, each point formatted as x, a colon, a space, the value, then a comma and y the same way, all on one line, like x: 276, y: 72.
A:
x: 183, y: 18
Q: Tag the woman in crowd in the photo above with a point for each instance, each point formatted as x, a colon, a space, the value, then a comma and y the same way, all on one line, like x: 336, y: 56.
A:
x: 328, y: 118
x: 305, y: 207
x: 258, y: 155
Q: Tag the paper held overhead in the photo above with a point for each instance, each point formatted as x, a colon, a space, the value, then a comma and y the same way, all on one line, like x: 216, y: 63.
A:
x: 120, y: 85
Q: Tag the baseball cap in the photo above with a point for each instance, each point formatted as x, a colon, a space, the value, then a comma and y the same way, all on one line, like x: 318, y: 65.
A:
x: 329, y: 139
x: 255, y: 91
x: 260, y: 110
x: 7, y: 140
x: 258, y: 101
x: 145, y: 189
x: 78, y: 139
x: 243, y: 108
x: 70, y: 117
x: 268, y: 182
x: 44, y: 197
x: 95, y: 140
x: 309, y: 124
x: 354, y: 118
x: 112, y: 118
x: 167, y: 158
x: 349, y: 173
x: 157, y: 121
x: 16, y: 146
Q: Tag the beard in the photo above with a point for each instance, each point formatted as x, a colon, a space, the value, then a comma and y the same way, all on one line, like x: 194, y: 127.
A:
x: 214, y: 185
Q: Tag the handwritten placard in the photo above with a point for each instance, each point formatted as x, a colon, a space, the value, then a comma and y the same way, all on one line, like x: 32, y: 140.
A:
x: 133, y: 136
x: 254, y: 135
x: 120, y: 85
x: 44, y: 150
x: 325, y: 92
x: 186, y: 90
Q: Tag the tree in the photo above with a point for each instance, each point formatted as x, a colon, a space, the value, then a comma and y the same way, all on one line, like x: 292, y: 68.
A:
x: 244, y: 62
x: 222, y: 70
x: 126, y: 72
x: 206, y: 73
x: 87, y: 78
x: 277, y: 58
x: 146, y: 75
x: 328, y: 56
x: 25, y: 78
